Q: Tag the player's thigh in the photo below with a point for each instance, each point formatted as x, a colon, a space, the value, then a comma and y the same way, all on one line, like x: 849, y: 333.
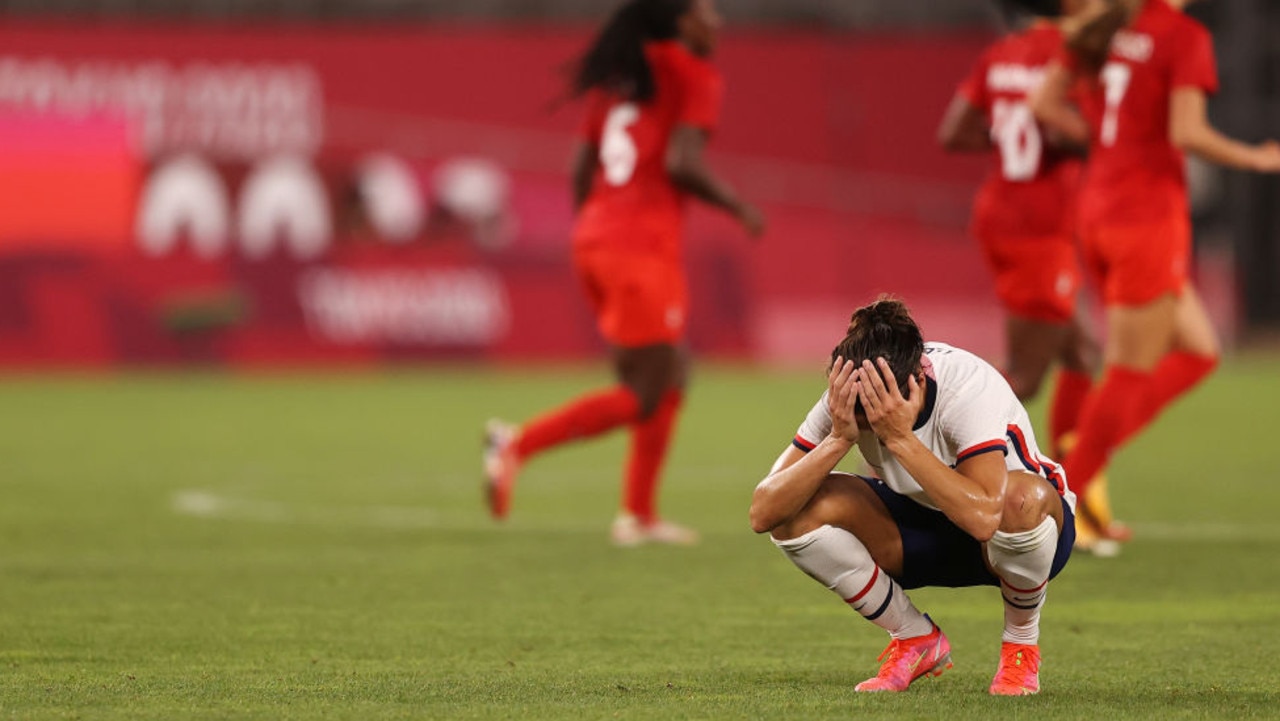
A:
x: 1081, y: 352
x: 1193, y: 330
x: 1033, y: 346
x: 1139, y: 336
x: 848, y: 502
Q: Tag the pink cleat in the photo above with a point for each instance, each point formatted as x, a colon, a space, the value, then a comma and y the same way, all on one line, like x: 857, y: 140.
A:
x: 500, y: 466
x: 1019, y: 671
x: 909, y: 659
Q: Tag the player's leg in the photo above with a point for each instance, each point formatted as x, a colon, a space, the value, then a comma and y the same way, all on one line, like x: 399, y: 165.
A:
x: 658, y: 376
x: 1027, y: 550
x: 1193, y: 357
x: 617, y: 291
x: 1033, y: 346
x: 1137, y: 338
x: 1079, y: 358
x: 847, y: 540
x: 1145, y: 272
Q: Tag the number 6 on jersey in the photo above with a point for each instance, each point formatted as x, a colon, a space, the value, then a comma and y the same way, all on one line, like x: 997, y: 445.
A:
x: 618, y: 153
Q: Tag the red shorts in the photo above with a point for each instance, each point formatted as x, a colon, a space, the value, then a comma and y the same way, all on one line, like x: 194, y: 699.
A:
x: 1137, y: 263
x: 1036, y: 278
x: 638, y: 299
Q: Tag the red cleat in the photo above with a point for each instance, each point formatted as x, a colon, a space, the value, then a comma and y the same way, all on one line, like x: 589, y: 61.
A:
x: 1019, y: 670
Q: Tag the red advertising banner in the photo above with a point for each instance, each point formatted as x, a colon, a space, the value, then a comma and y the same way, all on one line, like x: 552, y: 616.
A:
x: 294, y: 194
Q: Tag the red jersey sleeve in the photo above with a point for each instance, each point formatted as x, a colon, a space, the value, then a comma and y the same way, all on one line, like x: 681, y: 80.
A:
x: 592, y: 126
x: 1193, y: 63
x: 702, y: 97
x: 974, y: 87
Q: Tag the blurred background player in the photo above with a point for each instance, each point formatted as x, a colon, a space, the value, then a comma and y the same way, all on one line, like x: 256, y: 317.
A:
x: 961, y: 496
x: 1143, y: 101
x: 1024, y: 220
x: 653, y: 100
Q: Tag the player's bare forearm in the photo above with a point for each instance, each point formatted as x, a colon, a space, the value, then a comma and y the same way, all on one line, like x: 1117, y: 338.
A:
x: 1190, y: 130
x: 582, y: 170
x: 973, y: 500
x: 1054, y: 110
x: 687, y: 168
x: 795, y: 478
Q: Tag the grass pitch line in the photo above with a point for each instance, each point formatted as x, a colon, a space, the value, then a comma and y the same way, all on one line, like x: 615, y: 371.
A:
x: 206, y: 504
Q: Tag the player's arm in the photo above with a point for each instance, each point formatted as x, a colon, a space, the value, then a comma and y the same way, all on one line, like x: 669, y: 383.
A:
x: 796, y: 476
x: 964, y: 127
x: 687, y: 167
x: 582, y: 171
x: 1190, y: 130
x: 971, y: 494
x: 1052, y: 106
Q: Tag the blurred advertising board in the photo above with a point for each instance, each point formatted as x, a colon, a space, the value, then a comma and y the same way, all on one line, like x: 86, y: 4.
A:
x: 293, y: 194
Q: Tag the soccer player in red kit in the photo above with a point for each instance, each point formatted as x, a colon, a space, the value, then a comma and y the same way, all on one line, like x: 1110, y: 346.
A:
x: 652, y: 100
x: 1144, y: 98
x: 1024, y: 220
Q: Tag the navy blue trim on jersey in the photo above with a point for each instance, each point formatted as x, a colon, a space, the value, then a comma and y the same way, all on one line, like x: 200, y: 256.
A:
x: 803, y: 444
x: 988, y: 447
x: 930, y: 398
x: 936, y: 552
x: 1024, y: 454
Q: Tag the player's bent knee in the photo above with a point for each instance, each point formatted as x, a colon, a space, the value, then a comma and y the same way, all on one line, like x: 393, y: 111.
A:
x: 1028, y: 500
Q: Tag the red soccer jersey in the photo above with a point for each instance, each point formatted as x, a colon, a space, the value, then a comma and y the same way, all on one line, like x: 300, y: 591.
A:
x: 633, y: 206
x: 1135, y: 174
x: 1031, y: 188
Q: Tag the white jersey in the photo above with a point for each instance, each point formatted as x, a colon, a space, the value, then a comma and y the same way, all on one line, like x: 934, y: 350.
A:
x: 969, y: 410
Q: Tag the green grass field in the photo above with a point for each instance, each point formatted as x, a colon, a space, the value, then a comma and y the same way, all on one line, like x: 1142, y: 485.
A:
x: 293, y: 547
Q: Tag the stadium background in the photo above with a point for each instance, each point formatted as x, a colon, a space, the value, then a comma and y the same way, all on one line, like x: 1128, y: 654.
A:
x: 347, y: 182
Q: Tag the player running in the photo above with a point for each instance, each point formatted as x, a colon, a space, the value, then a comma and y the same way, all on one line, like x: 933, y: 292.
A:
x: 1144, y: 96
x: 653, y: 100
x: 1024, y: 220
x: 961, y: 496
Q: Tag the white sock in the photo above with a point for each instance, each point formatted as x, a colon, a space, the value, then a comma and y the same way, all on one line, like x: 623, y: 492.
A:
x: 838, y: 560
x: 1022, y: 561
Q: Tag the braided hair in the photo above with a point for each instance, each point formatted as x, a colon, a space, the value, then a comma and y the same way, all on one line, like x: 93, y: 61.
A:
x: 616, y: 61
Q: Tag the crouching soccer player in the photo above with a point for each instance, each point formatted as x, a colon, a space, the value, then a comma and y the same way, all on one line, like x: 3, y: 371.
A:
x: 961, y: 496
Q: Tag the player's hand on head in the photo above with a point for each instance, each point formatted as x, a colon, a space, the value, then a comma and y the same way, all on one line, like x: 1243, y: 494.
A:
x: 842, y: 393
x: 889, y: 413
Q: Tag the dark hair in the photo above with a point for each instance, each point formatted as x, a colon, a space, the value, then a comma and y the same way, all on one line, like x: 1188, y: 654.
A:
x: 616, y: 62
x: 884, y: 329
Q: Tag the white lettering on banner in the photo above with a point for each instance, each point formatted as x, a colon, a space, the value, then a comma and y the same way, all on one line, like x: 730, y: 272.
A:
x: 458, y: 307
x: 232, y: 111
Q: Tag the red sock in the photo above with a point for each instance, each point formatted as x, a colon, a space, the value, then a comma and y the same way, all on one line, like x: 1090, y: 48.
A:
x: 1114, y: 410
x: 650, y: 439
x: 1177, y: 373
x: 583, y: 417
x: 1068, y: 399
